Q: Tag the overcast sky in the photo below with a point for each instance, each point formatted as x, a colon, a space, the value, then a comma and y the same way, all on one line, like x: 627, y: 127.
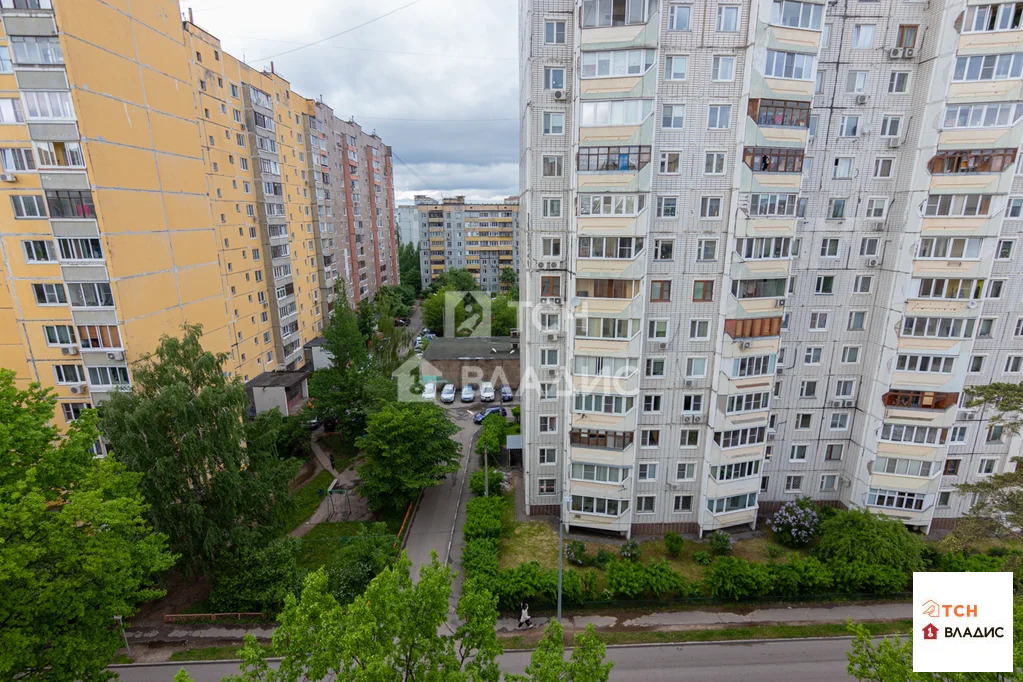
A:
x: 449, y: 111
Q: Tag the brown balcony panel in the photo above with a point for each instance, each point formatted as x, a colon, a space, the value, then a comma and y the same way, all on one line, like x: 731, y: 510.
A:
x: 753, y: 328
x: 923, y: 400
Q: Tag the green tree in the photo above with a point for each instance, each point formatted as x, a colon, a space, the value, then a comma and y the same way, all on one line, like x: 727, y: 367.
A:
x: 390, y: 633
x: 395, y: 300
x: 857, y: 537
x: 286, y: 436
x: 408, y: 448
x: 182, y: 426
x: 408, y: 268
x: 75, y: 547
x: 1004, y: 399
x: 361, y: 558
x: 504, y: 316
x: 434, y: 307
x: 391, y: 343
x: 491, y: 438
x: 458, y: 279
x: 366, y: 315
x: 508, y: 276
x: 891, y: 659
x: 548, y: 664
x: 255, y: 579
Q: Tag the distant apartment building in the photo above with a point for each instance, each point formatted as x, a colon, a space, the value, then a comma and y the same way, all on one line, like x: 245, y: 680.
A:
x: 482, y: 238
x: 770, y: 243
x: 407, y: 219
x: 153, y: 179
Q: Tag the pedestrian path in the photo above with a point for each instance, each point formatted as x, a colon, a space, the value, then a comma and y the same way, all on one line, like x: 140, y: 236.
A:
x: 344, y: 478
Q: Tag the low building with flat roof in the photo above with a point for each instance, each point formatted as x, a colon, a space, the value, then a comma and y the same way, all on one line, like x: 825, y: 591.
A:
x: 472, y: 360
x: 287, y: 391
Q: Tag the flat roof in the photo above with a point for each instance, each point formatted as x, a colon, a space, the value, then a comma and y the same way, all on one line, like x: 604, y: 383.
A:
x: 472, y: 348
x: 284, y: 379
x: 318, y: 341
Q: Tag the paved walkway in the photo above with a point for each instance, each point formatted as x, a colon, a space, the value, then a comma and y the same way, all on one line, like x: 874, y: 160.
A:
x: 345, y: 479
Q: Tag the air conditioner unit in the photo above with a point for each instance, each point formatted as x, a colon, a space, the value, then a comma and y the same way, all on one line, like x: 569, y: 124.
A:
x: 972, y: 304
x: 115, y: 356
x: 663, y: 345
x: 8, y: 177
x: 687, y: 419
x: 745, y: 345
x: 909, y: 52
x: 69, y: 350
x: 674, y: 485
x: 697, y: 418
x: 895, y: 52
x: 780, y: 370
x: 689, y: 383
x: 848, y: 403
x: 770, y: 436
x: 560, y: 95
x: 78, y: 389
x: 552, y: 337
x: 780, y: 302
x: 873, y: 263
x: 894, y: 142
x: 552, y: 372
x: 879, y: 227
x: 862, y: 99
x: 556, y: 300
x: 837, y: 403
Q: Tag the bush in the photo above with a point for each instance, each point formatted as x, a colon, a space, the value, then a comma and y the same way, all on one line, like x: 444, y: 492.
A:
x: 360, y: 559
x: 673, y: 543
x: 702, y: 558
x: 734, y: 578
x: 796, y: 523
x: 720, y: 543
x: 479, y: 486
x: 603, y: 558
x: 967, y: 562
x: 774, y: 551
x: 800, y: 577
x: 575, y: 551
x: 626, y: 578
x: 630, y: 550
x: 479, y: 558
x: 998, y: 551
x: 526, y: 581
x: 491, y: 437
x: 255, y: 579
x: 663, y: 580
x: 517, y: 412
x: 483, y: 518
x: 857, y: 535
x: 864, y: 577
x: 589, y: 579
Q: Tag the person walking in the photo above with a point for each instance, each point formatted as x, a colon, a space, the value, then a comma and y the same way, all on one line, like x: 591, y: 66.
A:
x: 524, y: 618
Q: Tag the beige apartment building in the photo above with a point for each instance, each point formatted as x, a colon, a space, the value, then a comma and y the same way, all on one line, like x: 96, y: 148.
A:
x: 768, y: 244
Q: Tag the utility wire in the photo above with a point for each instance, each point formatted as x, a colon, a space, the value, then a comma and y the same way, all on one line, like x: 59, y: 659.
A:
x: 341, y: 33
x: 438, y: 120
x: 370, y: 49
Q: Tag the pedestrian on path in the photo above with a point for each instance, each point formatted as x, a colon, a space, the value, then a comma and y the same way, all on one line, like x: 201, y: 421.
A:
x: 524, y: 618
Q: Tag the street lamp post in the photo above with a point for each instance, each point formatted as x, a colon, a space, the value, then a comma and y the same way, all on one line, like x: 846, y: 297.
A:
x: 561, y: 546
x: 120, y: 621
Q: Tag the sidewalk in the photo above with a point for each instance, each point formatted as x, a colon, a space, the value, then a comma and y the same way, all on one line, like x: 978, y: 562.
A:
x: 345, y: 479
x: 660, y: 620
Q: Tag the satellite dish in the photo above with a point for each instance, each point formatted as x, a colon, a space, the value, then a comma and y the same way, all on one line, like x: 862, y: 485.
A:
x: 574, y: 302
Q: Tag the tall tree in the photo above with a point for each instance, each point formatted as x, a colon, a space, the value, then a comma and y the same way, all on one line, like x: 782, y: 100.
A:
x: 408, y: 267
x: 389, y: 633
x: 395, y: 300
x: 458, y: 279
x: 548, y: 663
x: 75, y: 547
x: 1004, y: 399
x: 390, y: 343
x: 182, y: 426
x: 408, y: 448
x: 504, y: 315
x: 366, y: 318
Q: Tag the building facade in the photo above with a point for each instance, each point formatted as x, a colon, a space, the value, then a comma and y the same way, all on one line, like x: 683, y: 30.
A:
x: 482, y: 238
x: 769, y: 244
x: 154, y: 180
x: 408, y: 224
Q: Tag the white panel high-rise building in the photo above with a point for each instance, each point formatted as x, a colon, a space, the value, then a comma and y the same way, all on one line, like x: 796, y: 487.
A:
x: 767, y: 245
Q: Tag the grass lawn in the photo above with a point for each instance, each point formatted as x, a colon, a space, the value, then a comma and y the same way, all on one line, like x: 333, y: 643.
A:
x: 320, y: 543
x: 208, y: 653
x: 308, y: 498
x: 901, y: 627
x: 344, y: 452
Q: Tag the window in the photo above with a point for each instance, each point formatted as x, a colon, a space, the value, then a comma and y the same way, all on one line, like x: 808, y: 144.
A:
x: 738, y: 438
x: 829, y: 248
x: 727, y: 19
x: 660, y: 291
x: 849, y: 127
x: 850, y: 354
x: 667, y: 207
x: 99, y: 336
x: 548, y: 356
x: 663, y: 249
x: 719, y: 116
x: 982, y: 115
x: 551, y: 246
x: 703, y: 290
x: 551, y: 207
x: 843, y: 167
x: 692, y: 402
x: 774, y: 159
x: 863, y: 36
x: 554, y: 32
x: 599, y: 505
x: 548, y: 424
x: 613, y: 13
x: 722, y: 69
x: 548, y: 455
x: 679, y: 17
x: 895, y: 499
x: 647, y: 471
x: 898, y: 83
x: 797, y: 453
x: 818, y: 82
x: 812, y: 128
x: 626, y: 158
x: 70, y: 204
x: 883, y: 167
x: 10, y: 111
x: 80, y: 249
x: 829, y: 483
x: 36, y: 50
x: 59, y: 335
x: 553, y: 78
x: 951, y: 467
x: 48, y: 105
x: 994, y: 433
x: 747, y: 402
x: 876, y: 207
x: 108, y: 376
x: 39, y: 251
x: 611, y: 204
x: 553, y: 123
x: 90, y: 294
x: 796, y: 14
x: 28, y: 206
x: 857, y: 320
x: 839, y: 421
x: 49, y: 294
x: 812, y: 355
x: 547, y: 486
x: 550, y: 286
x: 710, y: 207
x: 553, y: 166
x: 906, y: 36
x: 683, y: 504
x: 16, y: 159
x: 696, y: 368
x: 954, y: 248
x: 836, y: 209
x: 988, y: 67
x: 856, y: 82
x: 770, y: 205
x: 69, y: 374
x: 652, y: 403
x: 735, y: 470
x: 645, y: 504
x: 699, y: 329
x: 673, y: 116
x: 706, y: 250
x: 676, y: 67
x: 670, y: 163
x: 807, y: 389
x: 714, y: 163
x: 793, y: 484
x: 655, y: 367
x: 723, y: 505
x: 1004, y: 250
x: 616, y: 63
x: 861, y: 285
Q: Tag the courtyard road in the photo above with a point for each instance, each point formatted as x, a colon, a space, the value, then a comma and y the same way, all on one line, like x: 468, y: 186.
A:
x: 781, y: 661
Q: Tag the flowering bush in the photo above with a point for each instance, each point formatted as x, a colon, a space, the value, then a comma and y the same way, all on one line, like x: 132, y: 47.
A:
x: 796, y: 523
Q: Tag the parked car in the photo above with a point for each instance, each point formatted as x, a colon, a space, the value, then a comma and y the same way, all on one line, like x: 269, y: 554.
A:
x: 480, y: 416
x: 430, y: 391
x: 507, y: 394
x: 447, y: 395
x: 468, y: 393
x: 486, y: 392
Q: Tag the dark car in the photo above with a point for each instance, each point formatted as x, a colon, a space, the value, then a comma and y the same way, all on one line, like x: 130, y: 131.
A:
x: 480, y: 416
x: 507, y: 394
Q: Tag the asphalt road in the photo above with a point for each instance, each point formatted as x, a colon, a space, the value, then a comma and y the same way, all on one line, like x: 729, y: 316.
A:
x: 781, y: 661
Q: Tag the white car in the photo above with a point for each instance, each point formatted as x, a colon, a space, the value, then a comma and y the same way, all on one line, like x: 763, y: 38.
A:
x: 468, y: 393
x: 447, y: 394
x: 487, y: 392
x: 430, y: 391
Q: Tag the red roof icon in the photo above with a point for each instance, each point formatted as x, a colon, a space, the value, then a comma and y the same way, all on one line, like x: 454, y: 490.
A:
x: 930, y: 631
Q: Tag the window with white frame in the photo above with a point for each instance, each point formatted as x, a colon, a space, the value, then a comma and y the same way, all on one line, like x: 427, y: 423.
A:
x: 812, y: 355
x: 714, y: 163
x: 856, y: 82
x: 673, y: 116
x: 793, y: 484
x: 850, y: 354
x: 862, y: 284
x: 898, y: 82
x: 696, y: 367
x: 883, y: 167
x: 706, y: 250
x: 676, y: 67
x: 683, y: 504
x: 722, y: 68
x: 843, y: 167
x: 679, y: 17
x: 553, y: 123
x: 645, y: 504
x: 548, y: 424
x: 891, y: 126
x: 554, y: 32
x: 553, y: 166
x: 839, y: 421
x: 727, y: 19
x: 719, y: 116
x: 652, y: 403
x: 808, y: 389
x: 646, y: 471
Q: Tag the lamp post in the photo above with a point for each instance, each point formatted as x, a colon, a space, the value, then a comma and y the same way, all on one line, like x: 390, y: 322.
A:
x: 561, y: 546
x: 120, y: 621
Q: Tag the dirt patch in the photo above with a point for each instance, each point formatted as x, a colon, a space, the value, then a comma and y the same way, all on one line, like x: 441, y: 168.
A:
x: 182, y: 592
x: 308, y: 469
